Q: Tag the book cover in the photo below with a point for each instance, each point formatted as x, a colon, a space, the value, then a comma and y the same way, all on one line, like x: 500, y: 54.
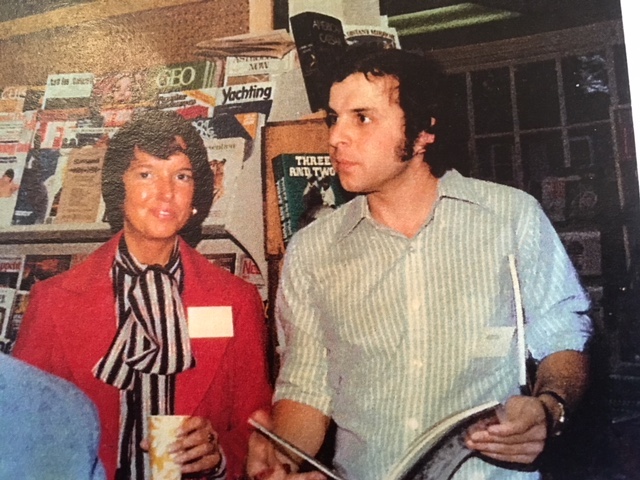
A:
x: 183, y: 76
x: 572, y: 198
x: 246, y: 98
x: 190, y: 104
x: 250, y: 272
x: 7, y: 296
x: 307, y: 188
x: 256, y: 69
x: 228, y: 145
x: 319, y: 41
x: 16, y: 132
x: 34, y: 98
x: 225, y: 159
x: 36, y: 194
x: 10, y: 269
x: 12, y: 99
x: 221, y: 125
x: 118, y: 90
x: 54, y: 187
x: 51, y: 132
x: 384, y: 37
x: 84, y: 136
x: 20, y: 304
x: 11, y: 168
x: 41, y: 267
x: 69, y: 91
x: 585, y: 250
x: 81, y: 187
x: 226, y: 261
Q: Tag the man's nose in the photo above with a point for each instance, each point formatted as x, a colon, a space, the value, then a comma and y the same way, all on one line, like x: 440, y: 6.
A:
x: 337, y: 134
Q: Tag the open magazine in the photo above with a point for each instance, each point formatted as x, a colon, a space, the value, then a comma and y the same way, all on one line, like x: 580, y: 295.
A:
x: 438, y: 452
x: 434, y: 455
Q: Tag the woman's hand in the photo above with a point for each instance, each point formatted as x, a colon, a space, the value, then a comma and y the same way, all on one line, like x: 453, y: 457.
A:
x: 196, y: 448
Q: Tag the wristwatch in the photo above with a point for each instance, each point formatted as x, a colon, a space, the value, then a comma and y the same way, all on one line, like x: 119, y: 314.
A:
x: 555, y: 427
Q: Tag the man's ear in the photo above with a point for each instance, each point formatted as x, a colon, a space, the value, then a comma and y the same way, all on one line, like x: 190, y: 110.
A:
x: 424, y: 139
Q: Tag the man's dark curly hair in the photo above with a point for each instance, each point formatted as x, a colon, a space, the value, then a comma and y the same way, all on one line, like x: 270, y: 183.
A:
x: 156, y: 132
x: 419, y: 82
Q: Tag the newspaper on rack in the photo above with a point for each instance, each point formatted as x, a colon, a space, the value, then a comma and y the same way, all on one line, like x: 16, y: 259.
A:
x: 275, y: 44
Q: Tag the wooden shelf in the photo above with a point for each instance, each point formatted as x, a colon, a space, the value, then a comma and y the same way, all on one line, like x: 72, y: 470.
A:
x: 79, y: 233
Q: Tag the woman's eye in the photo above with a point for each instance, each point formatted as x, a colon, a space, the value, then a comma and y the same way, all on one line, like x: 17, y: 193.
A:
x: 145, y: 174
x: 185, y: 177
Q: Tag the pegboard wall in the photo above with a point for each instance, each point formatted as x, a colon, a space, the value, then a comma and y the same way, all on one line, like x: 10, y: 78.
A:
x: 121, y: 43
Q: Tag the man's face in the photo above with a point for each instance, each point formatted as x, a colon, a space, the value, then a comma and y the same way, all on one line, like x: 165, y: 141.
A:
x: 366, y: 133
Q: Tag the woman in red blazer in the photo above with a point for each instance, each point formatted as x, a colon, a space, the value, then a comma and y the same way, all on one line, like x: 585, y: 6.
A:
x: 146, y: 325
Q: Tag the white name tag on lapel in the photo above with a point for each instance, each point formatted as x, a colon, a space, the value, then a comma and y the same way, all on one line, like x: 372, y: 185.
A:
x: 494, y: 342
x: 210, y: 322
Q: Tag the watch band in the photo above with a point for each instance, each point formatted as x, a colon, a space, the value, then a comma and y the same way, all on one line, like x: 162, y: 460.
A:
x: 555, y: 427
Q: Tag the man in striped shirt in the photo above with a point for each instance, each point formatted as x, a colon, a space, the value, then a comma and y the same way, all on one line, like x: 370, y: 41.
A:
x: 398, y: 309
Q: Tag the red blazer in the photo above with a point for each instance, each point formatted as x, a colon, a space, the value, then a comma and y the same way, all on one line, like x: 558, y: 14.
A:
x: 71, y: 322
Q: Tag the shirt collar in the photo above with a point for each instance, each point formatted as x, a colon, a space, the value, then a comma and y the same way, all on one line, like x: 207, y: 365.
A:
x: 355, y: 211
x: 451, y: 185
x: 456, y: 186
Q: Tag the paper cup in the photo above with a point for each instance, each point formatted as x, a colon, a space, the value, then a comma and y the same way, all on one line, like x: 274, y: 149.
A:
x: 162, y: 433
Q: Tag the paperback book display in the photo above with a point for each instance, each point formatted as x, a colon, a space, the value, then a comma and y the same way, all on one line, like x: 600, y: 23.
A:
x: 51, y: 156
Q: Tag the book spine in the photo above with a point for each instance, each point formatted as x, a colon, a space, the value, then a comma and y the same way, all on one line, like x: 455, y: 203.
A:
x: 283, y: 204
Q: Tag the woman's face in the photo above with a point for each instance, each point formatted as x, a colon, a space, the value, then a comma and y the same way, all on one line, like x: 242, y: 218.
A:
x: 158, y: 199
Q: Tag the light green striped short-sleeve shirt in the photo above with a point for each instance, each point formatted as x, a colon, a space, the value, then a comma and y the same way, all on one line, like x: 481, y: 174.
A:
x: 387, y: 335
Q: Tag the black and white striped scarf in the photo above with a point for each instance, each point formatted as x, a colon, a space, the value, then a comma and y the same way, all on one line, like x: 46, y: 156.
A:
x: 150, y: 347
